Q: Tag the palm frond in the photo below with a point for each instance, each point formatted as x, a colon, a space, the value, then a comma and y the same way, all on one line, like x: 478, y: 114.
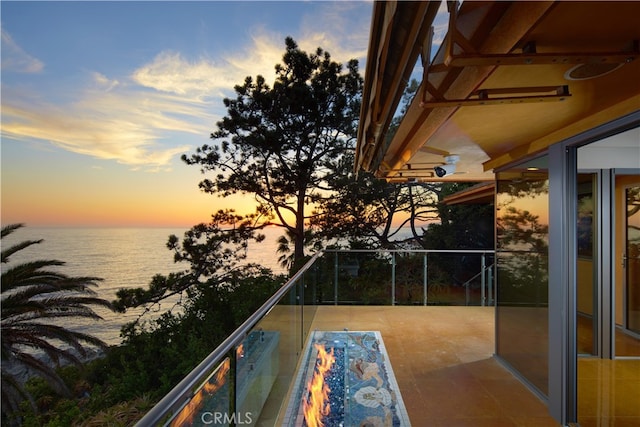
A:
x: 34, y: 295
x: 31, y: 273
x: 8, y: 229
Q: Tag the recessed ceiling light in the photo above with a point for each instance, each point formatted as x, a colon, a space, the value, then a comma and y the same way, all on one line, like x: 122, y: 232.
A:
x: 591, y: 71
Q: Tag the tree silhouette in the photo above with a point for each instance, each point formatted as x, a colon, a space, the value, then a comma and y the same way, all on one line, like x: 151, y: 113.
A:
x: 280, y: 143
x: 371, y: 212
x: 522, y: 241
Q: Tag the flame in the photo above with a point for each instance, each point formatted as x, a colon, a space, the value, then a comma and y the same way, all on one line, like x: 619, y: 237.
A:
x: 240, y: 351
x: 186, y: 416
x: 316, y: 405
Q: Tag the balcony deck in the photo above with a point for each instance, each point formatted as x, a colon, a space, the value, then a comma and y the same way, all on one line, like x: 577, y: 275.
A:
x: 443, y: 361
x: 442, y: 358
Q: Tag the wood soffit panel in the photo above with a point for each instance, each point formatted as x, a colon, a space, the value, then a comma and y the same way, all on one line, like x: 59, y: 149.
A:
x: 510, y: 79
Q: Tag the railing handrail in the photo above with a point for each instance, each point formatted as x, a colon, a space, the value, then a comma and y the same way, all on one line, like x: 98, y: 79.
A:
x: 185, y: 387
x: 419, y: 251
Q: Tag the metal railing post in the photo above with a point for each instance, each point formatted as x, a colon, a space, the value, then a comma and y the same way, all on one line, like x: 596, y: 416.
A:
x: 233, y: 379
x: 335, y: 281
x: 483, y: 281
x: 467, y: 294
x: 393, y: 278
x: 314, y: 290
x: 490, y: 274
x: 424, y: 280
x: 302, y: 286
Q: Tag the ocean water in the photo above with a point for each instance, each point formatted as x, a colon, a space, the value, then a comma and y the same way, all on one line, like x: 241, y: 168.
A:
x: 123, y: 258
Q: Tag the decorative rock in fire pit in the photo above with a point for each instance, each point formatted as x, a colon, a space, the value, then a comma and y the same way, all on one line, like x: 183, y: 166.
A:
x: 345, y: 379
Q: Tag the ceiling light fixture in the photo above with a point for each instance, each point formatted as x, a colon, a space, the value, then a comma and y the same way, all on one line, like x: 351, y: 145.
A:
x: 591, y: 71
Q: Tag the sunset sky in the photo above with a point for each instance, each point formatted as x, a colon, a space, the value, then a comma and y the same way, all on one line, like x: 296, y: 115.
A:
x: 100, y: 99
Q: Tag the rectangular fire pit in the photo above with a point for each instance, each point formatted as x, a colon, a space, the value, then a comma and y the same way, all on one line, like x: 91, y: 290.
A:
x: 359, y: 386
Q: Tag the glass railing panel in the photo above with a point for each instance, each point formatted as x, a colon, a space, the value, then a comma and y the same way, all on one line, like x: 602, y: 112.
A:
x: 366, y: 277
x: 309, y: 306
x: 354, y: 278
x: 256, y: 361
x: 411, y: 278
x: 326, y: 272
x: 210, y: 403
x: 460, y: 278
x: 257, y: 366
x: 279, y: 336
x: 383, y: 277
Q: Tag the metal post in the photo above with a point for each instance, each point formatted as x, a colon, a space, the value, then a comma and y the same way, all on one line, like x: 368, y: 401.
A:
x: 482, y: 281
x: 393, y: 278
x: 314, y: 290
x: 233, y: 379
x: 490, y: 274
x: 302, y: 334
x: 335, y: 281
x: 424, y: 281
x: 467, y: 297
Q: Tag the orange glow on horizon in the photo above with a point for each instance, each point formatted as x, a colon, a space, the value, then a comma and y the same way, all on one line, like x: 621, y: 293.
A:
x: 94, y: 211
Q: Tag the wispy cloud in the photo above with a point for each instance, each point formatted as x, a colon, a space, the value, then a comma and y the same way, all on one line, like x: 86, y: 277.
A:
x: 134, y: 119
x: 107, y: 118
x: 259, y: 58
x: 126, y: 126
x: 332, y: 27
x: 104, y: 81
x: 340, y: 28
x: 172, y: 73
x: 14, y: 58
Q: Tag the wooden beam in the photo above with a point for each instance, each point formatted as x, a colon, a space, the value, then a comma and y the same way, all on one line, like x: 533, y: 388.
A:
x: 542, y: 94
x: 479, y: 60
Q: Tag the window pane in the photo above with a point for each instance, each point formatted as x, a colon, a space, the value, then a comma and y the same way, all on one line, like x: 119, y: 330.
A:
x: 586, y: 295
x: 522, y: 245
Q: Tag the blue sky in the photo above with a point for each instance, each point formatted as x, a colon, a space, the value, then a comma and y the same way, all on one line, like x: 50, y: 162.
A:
x: 100, y: 99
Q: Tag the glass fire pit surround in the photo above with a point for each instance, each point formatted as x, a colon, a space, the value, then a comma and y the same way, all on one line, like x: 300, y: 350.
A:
x: 361, y: 386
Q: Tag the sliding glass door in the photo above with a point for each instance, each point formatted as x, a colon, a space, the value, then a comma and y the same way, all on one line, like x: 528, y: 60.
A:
x: 522, y: 256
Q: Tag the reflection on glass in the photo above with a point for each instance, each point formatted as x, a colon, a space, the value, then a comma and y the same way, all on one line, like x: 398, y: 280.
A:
x: 257, y: 368
x: 283, y: 340
x: 212, y: 397
x: 627, y: 284
x: 586, y: 284
x: 632, y: 258
x: 522, y: 249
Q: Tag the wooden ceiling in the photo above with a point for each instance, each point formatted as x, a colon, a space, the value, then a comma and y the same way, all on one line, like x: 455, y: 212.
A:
x: 510, y: 79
